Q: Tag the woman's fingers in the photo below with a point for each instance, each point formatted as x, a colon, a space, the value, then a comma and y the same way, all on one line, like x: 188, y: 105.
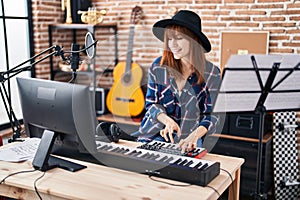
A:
x: 186, y: 146
x: 167, y: 134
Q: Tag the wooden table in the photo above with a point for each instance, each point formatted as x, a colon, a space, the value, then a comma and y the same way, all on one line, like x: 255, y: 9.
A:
x: 100, y: 182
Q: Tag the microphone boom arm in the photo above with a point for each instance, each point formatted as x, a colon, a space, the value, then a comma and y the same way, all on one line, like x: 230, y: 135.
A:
x: 5, y: 95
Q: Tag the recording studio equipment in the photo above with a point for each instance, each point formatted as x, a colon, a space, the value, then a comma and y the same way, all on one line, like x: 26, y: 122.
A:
x: 90, y: 48
x: 58, y: 113
x: 90, y: 45
x: 66, y: 111
x: 108, y: 132
x: 43, y: 161
x: 246, y: 124
x: 285, y: 126
x: 41, y: 158
x: 285, y: 155
x: 288, y: 181
x: 74, y: 58
x: 111, y: 132
x: 181, y: 168
x: 173, y: 149
x: 100, y: 97
x: 6, y: 75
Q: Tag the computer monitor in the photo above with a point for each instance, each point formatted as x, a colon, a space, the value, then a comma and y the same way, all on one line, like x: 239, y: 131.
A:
x: 64, y: 110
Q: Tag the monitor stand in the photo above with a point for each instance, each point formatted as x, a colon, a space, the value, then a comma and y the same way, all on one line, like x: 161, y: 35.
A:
x: 43, y: 161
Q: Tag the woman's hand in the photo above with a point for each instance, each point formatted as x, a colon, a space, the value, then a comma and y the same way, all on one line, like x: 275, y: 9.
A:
x: 170, y: 127
x: 190, y: 142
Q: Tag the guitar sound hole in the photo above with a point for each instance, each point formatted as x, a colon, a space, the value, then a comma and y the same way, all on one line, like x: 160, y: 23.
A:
x: 127, y: 78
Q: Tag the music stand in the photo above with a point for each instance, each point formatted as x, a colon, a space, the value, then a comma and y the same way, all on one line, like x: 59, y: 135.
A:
x: 260, y: 83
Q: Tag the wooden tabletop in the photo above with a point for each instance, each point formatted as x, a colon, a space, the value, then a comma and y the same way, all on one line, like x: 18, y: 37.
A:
x: 101, y: 182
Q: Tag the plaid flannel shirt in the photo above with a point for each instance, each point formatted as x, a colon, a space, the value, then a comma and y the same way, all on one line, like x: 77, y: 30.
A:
x: 191, y: 109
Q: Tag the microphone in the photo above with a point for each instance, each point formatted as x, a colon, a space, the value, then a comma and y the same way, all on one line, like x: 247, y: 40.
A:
x: 74, y: 58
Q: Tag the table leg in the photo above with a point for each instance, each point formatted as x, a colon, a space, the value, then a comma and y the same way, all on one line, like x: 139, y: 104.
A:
x: 234, y: 188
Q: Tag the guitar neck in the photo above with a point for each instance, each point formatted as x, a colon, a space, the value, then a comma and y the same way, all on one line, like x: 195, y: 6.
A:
x: 129, y: 50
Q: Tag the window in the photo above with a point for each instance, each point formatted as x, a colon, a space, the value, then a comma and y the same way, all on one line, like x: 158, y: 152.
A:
x: 16, y: 47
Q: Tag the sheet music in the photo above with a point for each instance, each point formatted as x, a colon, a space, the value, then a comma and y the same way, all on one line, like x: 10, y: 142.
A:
x: 263, y: 61
x: 235, y: 80
x: 283, y: 101
x: 292, y: 82
x: 240, y: 89
x: 20, y: 151
x: 236, y: 102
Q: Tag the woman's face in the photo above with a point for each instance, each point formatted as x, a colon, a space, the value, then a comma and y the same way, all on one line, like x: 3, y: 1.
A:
x: 179, y: 45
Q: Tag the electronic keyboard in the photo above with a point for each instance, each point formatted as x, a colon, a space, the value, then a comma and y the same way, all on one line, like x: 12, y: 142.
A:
x: 170, y: 148
x: 176, y: 167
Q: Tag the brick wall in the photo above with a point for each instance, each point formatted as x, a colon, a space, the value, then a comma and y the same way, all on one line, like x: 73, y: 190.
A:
x: 280, y: 17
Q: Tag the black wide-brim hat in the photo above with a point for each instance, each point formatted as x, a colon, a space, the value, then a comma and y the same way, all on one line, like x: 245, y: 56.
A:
x: 185, y: 18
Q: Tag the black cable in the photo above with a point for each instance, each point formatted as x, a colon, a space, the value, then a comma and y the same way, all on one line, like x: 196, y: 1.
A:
x: 35, y: 188
x: 19, y: 172
x: 74, y: 75
x: 26, y: 171
x: 216, y: 191
x: 233, y: 192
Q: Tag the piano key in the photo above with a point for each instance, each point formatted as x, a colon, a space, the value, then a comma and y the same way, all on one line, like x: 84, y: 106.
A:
x: 145, y: 155
x: 203, y: 166
x: 188, y: 163
x: 162, y: 159
x: 183, y: 162
x: 177, y: 161
x: 197, y: 165
x: 162, y: 163
x: 114, y: 150
x: 158, y: 156
x: 131, y: 153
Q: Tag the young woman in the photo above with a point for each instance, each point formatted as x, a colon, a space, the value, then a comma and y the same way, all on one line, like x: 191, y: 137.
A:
x: 178, y: 102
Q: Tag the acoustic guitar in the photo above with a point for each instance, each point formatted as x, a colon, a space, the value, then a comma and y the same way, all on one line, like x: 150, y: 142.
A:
x: 126, y: 97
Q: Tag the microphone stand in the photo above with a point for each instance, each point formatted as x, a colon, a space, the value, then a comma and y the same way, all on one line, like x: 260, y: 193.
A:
x: 4, y: 76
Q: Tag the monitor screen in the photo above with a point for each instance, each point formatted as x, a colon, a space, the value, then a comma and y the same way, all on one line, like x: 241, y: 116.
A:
x: 64, y: 108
